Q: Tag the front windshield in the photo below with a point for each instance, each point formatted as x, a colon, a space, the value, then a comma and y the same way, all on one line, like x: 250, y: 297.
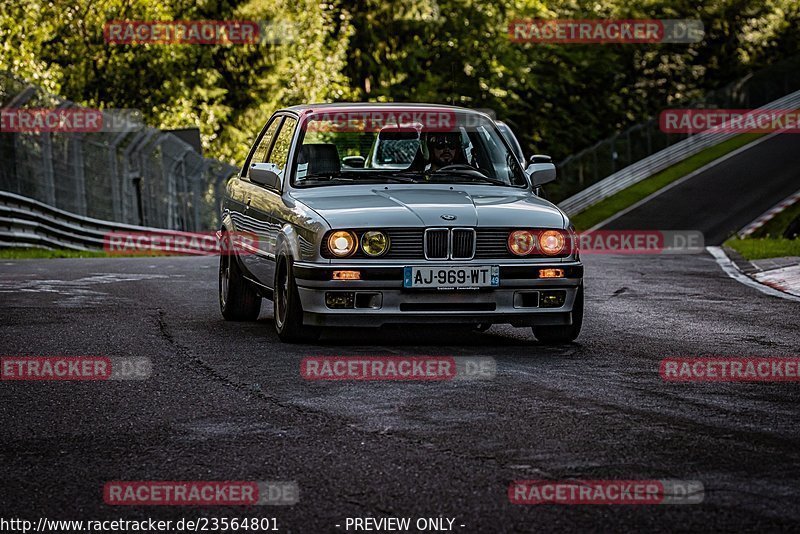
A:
x: 391, y: 146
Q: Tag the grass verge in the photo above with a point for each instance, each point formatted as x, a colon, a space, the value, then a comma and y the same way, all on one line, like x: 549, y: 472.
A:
x: 778, y: 224
x: 39, y: 253
x: 768, y: 241
x: 629, y: 196
x: 763, y: 247
x: 46, y: 253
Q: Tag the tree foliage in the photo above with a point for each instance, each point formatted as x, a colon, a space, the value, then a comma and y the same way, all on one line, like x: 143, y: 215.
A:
x: 559, y: 98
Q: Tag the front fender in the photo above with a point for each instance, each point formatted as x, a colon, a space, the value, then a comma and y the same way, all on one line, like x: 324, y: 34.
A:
x: 226, y: 223
x: 287, y: 242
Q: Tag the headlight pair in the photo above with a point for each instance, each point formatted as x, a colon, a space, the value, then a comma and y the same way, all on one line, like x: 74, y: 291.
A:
x: 526, y: 242
x: 344, y: 243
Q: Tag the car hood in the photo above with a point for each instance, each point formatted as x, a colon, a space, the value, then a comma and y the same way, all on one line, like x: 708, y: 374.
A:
x: 429, y: 205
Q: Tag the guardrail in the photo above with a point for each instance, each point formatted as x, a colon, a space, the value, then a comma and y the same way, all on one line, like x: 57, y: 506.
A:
x: 128, y: 173
x: 659, y: 161
x: 614, y: 153
x: 25, y: 223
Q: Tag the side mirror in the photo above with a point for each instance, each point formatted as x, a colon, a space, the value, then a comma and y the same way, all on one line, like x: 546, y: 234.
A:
x: 540, y: 173
x: 540, y: 158
x: 265, y: 174
x: 357, y: 162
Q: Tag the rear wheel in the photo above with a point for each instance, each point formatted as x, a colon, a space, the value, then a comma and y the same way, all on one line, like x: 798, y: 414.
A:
x: 288, y: 312
x: 238, y: 300
x: 563, y: 334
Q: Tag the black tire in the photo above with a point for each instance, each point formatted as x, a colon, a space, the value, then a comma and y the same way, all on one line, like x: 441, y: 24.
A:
x: 238, y: 300
x: 288, y: 311
x: 563, y: 334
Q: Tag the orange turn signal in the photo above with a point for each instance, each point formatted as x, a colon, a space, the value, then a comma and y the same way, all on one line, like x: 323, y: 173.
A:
x: 347, y: 275
x: 551, y: 273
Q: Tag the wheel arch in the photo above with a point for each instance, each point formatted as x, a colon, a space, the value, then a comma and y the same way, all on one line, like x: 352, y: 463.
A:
x: 287, y: 242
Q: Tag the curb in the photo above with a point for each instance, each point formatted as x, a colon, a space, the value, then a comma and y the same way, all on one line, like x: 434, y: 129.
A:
x: 741, y: 270
x: 744, y: 265
x: 770, y: 214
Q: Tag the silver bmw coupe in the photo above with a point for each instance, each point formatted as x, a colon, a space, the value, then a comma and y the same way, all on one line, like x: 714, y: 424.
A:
x: 376, y: 214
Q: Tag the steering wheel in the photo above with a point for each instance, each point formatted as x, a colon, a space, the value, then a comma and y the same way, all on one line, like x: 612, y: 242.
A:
x: 462, y: 167
x: 457, y: 167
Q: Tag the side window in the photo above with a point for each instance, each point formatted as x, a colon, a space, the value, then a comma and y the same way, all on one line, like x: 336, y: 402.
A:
x: 260, y: 155
x: 280, y: 152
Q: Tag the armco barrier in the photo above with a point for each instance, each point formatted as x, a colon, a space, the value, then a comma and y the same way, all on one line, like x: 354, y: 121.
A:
x: 25, y: 222
x: 127, y: 173
x: 659, y: 161
x: 623, y: 149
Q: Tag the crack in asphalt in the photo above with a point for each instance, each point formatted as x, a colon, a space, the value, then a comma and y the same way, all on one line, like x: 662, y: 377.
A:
x: 203, y: 368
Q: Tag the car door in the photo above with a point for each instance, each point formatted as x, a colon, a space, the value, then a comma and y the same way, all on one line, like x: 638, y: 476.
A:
x: 266, y: 208
x: 241, y: 193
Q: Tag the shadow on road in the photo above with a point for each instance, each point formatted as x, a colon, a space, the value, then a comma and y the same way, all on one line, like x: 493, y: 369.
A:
x: 439, y: 337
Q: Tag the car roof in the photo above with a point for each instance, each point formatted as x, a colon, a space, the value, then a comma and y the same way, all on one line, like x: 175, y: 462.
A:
x: 361, y: 106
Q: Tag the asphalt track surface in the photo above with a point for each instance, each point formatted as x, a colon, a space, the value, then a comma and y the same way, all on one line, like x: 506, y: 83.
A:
x: 227, y: 402
x: 726, y: 197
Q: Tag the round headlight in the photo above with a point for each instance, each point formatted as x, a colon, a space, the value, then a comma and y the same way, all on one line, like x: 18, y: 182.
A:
x: 342, y: 243
x: 551, y: 242
x: 374, y: 243
x: 521, y: 242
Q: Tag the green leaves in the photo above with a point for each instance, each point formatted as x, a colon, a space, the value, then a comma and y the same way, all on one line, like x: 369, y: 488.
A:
x: 559, y: 98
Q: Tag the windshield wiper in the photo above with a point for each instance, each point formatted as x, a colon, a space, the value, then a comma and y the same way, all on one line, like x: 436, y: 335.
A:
x: 474, y: 174
x: 406, y: 177
x: 325, y: 178
x: 361, y: 177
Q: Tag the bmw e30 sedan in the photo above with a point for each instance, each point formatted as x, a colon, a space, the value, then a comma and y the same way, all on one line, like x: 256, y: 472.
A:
x: 375, y: 214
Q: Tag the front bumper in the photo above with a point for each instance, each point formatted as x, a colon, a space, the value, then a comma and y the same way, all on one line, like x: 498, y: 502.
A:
x: 379, y: 297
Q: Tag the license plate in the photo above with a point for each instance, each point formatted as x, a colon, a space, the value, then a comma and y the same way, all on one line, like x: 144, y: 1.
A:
x: 451, y: 277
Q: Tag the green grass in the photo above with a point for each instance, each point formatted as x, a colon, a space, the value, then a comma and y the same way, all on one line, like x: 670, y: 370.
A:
x: 46, y: 253
x: 629, y: 196
x: 39, y: 253
x: 767, y: 241
x: 761, y: 248
x: 778, y: 224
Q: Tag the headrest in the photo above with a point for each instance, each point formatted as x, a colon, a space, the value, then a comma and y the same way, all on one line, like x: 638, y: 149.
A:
x: 322, y: 158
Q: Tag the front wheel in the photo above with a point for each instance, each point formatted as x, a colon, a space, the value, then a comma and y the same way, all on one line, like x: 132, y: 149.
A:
x: 563, y: 334
x: 288, y: 312
x: 238, y: 300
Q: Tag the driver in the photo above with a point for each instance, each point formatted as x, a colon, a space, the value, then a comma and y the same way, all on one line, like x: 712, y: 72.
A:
x: 445, y: 149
